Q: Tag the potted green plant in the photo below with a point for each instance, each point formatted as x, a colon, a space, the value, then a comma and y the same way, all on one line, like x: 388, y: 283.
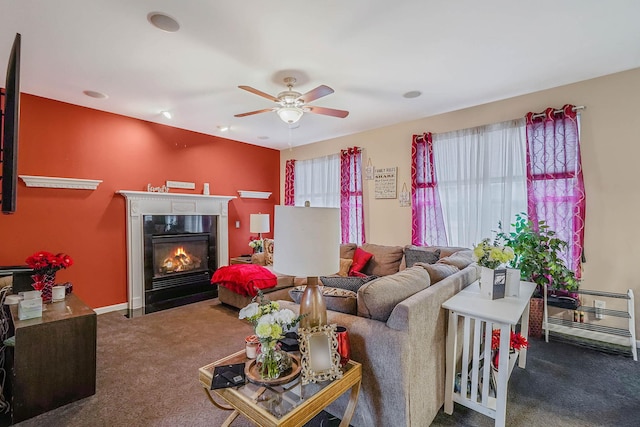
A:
x: 537, y: 252
x: 538, y: 255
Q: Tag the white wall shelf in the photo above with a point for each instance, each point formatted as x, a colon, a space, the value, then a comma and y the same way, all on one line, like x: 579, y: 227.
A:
x: 246, y: 194
x: 56, y: 182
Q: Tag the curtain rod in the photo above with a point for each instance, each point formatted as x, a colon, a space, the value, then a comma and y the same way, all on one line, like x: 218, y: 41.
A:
x: 576, y: 108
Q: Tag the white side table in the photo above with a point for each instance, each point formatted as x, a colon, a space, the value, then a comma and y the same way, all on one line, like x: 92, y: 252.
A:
x: 480, y: 317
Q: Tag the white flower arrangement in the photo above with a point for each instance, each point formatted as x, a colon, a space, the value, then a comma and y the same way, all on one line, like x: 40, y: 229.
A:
x: 268, y: 319
x: 256, y: 245
x: 492, y: 255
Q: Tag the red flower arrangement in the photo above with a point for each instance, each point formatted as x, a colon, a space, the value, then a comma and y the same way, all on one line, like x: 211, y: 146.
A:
x: 517, y: 340
x: 45, y: 265
x: 46, y: 262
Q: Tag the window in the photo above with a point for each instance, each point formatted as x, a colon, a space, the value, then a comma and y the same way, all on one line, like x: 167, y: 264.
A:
x: 333, y: 181
x: 318, y: 182
x: 480, y: 179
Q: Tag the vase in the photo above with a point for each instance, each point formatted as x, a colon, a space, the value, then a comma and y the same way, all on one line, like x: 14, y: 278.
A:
x: 495, y: 357
x: 44, y: 283
x: 271, y: 361
x: 344, y: 346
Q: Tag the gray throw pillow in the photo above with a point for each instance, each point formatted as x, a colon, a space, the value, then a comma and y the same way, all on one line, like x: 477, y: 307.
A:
x: 417, y: 255
x: 340, y: 300
x: 348, y: 283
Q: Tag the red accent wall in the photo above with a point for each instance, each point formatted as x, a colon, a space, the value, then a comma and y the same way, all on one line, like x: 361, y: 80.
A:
x: 64, y: 140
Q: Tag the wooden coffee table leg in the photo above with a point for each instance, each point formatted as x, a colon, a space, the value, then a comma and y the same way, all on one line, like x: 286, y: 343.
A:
x: 351, y: 407
x: 216, y: 404
x: 230, y: 419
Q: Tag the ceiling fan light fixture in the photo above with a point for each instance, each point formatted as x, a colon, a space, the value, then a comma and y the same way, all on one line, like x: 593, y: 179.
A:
x: 290, y: 114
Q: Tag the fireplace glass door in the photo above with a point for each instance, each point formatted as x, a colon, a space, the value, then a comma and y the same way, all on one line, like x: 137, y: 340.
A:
x: 184, y: 253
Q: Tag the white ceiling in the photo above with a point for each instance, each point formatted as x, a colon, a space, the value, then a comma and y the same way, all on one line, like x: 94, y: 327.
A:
x: 457, y: 53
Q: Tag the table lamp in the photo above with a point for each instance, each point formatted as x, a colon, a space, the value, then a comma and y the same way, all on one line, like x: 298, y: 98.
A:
x: 308, y: 244
x: 259, y: 223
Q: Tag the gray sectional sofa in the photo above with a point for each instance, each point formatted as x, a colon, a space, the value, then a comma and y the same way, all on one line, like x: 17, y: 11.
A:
x: 399, y: 335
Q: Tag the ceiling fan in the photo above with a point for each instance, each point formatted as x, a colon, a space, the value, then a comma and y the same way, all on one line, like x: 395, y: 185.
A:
x: 292, y: 104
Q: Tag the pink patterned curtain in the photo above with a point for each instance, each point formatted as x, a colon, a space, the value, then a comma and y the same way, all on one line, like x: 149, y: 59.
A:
x: 555, y: 186
x: 289, y: 176
x: 351, y: 211
x: 426, y: 211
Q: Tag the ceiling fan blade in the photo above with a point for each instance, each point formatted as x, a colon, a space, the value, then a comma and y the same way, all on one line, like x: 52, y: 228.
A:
x: 316, y: 93
x: 259, y: 93
x: 328, y: 111
x: 265, y: 110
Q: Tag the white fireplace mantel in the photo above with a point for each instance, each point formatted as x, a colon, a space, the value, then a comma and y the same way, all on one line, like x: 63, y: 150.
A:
x: 140, y: 203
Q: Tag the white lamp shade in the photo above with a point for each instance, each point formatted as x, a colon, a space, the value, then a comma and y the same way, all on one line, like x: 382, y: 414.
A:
x: 307, y: 241
x: 259, y: 223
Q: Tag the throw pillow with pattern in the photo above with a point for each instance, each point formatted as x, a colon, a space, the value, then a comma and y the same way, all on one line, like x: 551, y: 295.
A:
x: 417, y: 255
x: 348, y: 283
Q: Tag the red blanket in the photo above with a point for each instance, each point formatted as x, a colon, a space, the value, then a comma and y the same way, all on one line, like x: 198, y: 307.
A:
x: 244, y: 279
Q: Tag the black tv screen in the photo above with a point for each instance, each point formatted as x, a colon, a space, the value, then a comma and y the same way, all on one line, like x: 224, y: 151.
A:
x: 10, y: 124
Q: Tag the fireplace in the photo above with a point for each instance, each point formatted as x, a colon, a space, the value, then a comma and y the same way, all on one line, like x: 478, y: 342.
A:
x: 174, y: 244
x: 180, y: 256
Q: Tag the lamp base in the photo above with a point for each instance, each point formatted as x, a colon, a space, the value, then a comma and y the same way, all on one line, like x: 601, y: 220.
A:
x: 312, y: 305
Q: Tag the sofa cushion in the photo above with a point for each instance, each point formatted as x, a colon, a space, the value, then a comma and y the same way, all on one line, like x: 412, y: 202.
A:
x: 348, y: 283
x: 386, y: 259
x: 360, y: 259
x: 460, y: 259
x: 377, y: 298
x: 347, y: 250
x: 345, y: 266
x: 340, y: 300
x: 438, y: 271
x: 413, y: 256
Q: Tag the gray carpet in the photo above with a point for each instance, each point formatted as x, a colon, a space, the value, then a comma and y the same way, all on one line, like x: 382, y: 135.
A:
x: 147, y: 375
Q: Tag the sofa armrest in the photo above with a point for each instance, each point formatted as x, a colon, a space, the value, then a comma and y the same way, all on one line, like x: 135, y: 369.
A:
x: 382, y: 352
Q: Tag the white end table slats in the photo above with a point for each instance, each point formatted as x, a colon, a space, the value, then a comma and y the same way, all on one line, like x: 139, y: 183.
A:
x: 479, y: 318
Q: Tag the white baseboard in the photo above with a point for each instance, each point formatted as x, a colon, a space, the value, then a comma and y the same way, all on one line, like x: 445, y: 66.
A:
x: 110, y: 308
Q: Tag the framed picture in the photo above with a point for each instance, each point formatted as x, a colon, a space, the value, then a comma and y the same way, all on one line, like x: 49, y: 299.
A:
x: 385, y: 183
x: 319, y: 355
x: 369, y: 170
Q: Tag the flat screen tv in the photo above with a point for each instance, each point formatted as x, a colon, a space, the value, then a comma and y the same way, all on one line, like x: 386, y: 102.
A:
x: 10, y: 124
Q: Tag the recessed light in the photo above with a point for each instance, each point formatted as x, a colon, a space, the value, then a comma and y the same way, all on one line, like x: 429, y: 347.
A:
x: 263, y: 137
x: 223, y: 128
x: 95, y: 94
x: 167, y: 114
x: 412, y: 94
x: 163, y: 22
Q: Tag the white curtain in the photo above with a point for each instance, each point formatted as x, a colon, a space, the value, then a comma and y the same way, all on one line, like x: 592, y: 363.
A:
x: 318, y: 181
x: 481, y: 175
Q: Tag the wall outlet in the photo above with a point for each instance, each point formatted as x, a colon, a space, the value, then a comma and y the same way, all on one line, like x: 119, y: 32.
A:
x: 599, y: 306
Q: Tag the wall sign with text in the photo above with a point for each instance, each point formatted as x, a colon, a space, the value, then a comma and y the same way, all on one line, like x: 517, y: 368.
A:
x: 385, y: 183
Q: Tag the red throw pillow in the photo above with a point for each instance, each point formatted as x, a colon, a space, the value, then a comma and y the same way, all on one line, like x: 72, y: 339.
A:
x: 360, y: 259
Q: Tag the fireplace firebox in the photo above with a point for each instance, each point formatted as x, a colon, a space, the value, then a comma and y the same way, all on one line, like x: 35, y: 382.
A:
x: 180, y: 256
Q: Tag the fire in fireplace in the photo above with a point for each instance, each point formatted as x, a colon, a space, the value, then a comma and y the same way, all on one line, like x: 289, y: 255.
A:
x: 179, y: 255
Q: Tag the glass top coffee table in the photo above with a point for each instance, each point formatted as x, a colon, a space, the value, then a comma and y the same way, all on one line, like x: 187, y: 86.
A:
x: 290, y: 404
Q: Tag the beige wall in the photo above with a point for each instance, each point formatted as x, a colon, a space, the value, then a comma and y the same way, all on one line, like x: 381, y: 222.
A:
x: 610, y: 152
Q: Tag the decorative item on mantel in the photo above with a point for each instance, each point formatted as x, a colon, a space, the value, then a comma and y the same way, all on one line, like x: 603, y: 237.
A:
x: 45, y: 265
x: 159, y: 189
x: 270, y: 323
x: 490, y: 257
